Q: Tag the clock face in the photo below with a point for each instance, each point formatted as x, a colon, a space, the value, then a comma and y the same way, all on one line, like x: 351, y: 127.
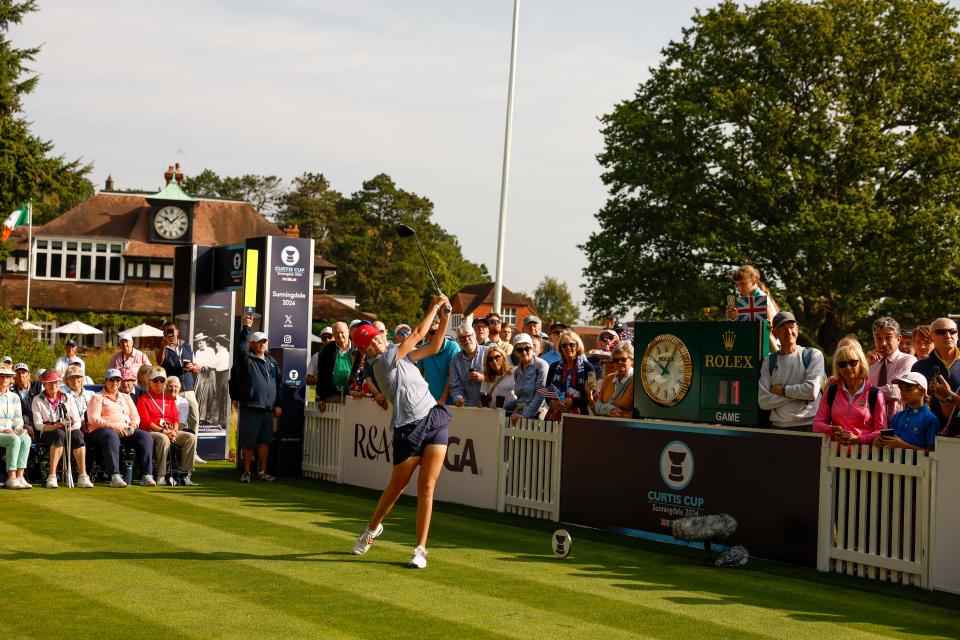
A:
x: 171, y: 222
x: 667, y: 370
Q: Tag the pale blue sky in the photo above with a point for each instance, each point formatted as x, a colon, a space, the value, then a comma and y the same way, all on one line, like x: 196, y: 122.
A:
x: 415, y: 89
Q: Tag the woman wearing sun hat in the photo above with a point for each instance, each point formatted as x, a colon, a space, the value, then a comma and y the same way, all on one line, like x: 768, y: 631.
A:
x: 54, y: 413
x: 419, y: 423
x: 81, y: 398
x: 112, y: 418
x: 13, y: 437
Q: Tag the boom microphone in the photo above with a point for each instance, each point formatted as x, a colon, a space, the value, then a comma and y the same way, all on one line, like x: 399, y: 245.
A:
x: 704, y: 528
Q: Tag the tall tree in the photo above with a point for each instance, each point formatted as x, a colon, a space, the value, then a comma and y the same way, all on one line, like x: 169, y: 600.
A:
x: 311, y: 204
x: 819, y: 141
x: 264, y: 193
x: 385, y: 271
x: 554, y: 302
x: 28, y: 169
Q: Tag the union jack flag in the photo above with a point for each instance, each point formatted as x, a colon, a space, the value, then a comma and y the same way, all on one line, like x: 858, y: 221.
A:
x: 549, y: 393
x: 664, y: 522
x: 751, y: 308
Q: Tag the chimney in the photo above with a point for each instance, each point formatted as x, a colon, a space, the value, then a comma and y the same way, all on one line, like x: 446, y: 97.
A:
x: 109, y: 185
x: 293, y: 231
x: 168, y: 175
x: 178, y: 174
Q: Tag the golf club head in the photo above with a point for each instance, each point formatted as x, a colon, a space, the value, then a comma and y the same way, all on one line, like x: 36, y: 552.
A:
x: 404, y: 231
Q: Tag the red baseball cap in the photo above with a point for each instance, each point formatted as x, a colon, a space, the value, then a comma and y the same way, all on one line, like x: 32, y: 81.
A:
x: 363, y: 335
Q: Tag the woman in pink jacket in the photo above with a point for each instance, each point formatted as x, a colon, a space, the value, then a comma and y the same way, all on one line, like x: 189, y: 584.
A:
x: 851, y: 410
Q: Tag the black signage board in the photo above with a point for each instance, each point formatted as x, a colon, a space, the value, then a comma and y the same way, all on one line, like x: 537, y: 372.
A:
x: 228, y: 267
x: 290, y: 280
x: 635, y: 477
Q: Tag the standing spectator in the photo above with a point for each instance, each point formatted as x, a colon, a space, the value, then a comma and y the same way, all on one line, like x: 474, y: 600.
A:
x: 259, y: 392
x: 466, y: 369
x: 891, y: 363
x: 568, y: 377
x: 53, y: 414
x: 791, y: 378
x: 554, y: 355
x: 176, y: 358
x: 13, y: 435
x: 906, y: 342
x: 481, y: 327
x: 616, y: 392
x: 401, y: 332
x: 852, y: 411
x: 915, y: 427
x: 326, y: 337
x: 497, y: 333
x: 507, y: 331
x: 436, y: 367
x: 26, y: 389
x: 160, y: 419
x: 528, y: 376
x: 496, y: 390
x: 940, y: 367
x: 335, y: 364
x: 112, y: 419
x: 127, y: 359
x: 746, y: 279
x: 64, y: 361
x: 922, y: 341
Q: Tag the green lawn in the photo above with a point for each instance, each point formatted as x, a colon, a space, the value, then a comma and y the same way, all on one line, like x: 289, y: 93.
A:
x: 225, y: 560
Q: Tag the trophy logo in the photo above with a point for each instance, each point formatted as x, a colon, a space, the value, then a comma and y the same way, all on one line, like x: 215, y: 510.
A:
x: 294, y: 374
x: 290, y: 256
x: 561, y: 543
x: 676, y: 465
x: 237, y: 260
x: 728, y: 339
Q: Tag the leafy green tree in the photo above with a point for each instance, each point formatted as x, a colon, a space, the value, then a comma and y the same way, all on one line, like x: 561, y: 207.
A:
x: 264, y: 193
x: 21, y: 345
x: 385, y: 271
x: 28, y: 170
x: 311, y: 204
x: 554, y: 303
x: 819, y: 141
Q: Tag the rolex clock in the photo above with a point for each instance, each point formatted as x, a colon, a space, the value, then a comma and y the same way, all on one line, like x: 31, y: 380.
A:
x: 171, y: 223
x: 666, y: 370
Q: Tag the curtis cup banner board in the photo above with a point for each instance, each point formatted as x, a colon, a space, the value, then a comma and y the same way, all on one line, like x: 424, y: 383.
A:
x: 289, y: 288
x: 470, y: 471
x: 634, y: 477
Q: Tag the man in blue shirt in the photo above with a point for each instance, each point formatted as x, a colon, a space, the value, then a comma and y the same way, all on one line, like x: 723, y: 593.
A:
x: 915, y: 427
x: 436, y: 368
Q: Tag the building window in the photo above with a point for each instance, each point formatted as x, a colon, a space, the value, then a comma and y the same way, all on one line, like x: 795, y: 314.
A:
x: 510, y: 316
x: 71, y: 260
x: 455, y: 320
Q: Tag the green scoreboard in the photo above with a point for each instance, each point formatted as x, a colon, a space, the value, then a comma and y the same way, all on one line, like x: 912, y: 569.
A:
x: 699, y: 371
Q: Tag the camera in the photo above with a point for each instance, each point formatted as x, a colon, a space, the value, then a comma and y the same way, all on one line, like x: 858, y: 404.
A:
x: 170, y: 332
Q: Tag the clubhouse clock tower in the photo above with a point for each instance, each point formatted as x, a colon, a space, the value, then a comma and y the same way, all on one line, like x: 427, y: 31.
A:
x: 171, y: 211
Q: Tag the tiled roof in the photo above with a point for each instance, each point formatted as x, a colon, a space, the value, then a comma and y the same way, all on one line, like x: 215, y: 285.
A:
x: 473, y: 295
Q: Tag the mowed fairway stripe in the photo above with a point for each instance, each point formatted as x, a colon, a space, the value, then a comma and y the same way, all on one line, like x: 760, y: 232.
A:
x: 465, y: 612
x: 656, y: 593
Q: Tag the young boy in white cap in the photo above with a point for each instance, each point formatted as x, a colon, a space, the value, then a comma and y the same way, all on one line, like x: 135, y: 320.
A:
x: 915, y: 427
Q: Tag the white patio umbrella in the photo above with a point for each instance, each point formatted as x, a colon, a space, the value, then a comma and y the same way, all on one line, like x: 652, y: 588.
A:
x: 143, y: 331
x: 78, y: 328
x: 25, y: 325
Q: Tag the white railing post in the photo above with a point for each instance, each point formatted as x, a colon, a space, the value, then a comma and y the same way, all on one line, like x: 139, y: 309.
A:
x: 825, y: 528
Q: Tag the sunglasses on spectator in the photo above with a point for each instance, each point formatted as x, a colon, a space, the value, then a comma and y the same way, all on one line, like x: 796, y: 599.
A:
x: 160, y: 380
x: 326, y: 337
x: 843, y: 364
x: 568, y: 345
x: 403, y: 334
x: 493, y: 320
x: 606, y: 338
x: 521, y: 349
x: 113, y: 379
x: 496, y: 356
x: 618, y: 360
x: 943, y: 332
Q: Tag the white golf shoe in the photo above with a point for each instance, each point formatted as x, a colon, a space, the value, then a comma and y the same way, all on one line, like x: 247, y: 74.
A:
x: 366, y: 539
x: 419, y: 559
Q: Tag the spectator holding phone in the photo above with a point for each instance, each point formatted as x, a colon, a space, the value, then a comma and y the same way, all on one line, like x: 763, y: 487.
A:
x: 496, y: 390
x: 941, y: 368
x: 915, y: 427
x: 852, y: 410
x: 176, y: 358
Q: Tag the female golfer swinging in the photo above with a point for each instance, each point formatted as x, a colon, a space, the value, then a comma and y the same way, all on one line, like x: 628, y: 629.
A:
x: 419, y: 423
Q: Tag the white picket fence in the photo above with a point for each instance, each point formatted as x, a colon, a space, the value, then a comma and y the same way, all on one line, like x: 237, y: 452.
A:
x: 875, y: 508
x: 321, y: 441
x: 530, y: 480
x: 528, y: 474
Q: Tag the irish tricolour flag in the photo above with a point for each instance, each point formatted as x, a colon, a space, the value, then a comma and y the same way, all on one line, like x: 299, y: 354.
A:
x: 16, y: 218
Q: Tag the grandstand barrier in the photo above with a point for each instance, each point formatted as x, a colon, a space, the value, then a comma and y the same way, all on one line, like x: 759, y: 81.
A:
x: 530, y: 475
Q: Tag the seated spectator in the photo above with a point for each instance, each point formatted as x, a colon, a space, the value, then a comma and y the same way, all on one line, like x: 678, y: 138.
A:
x: 160, y: 418
x: 13, y: 435
x: 568, y: 378
x: 143, y: 382
x: 890, y: 361
x: 112, y: 419
x: 127, y: 359
x: 466, y: 368
x: 528, y: 376
x: 790, y: 379
x: 915, y: 427
x: 922, y: 342
x: 26, y: 389
x: 616, y: 390
x: 81, y: 398
x: 172, y: 389
x: 53, y: 414
x: 481, y: 327
x: 852, y: 410
x: 496, y: 390
x: 941, y: 368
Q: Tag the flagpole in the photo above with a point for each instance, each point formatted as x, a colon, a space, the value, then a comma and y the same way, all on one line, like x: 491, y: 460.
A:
x: 29, y: 254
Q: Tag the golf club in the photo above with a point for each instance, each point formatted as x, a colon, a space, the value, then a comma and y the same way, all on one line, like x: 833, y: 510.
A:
x: 405, y: 232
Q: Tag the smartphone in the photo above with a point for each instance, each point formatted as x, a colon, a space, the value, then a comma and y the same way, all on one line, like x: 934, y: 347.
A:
x: 886, y: 433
